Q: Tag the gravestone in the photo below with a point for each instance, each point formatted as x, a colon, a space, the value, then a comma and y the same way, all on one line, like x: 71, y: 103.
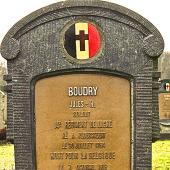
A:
x: 83, y: 87
x: 163, y: 65
x: 164, y: 108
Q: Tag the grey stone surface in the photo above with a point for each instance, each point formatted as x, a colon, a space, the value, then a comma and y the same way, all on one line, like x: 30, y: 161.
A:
x: 131, y: 48
x: 11, y: 48
x: 164, y: 65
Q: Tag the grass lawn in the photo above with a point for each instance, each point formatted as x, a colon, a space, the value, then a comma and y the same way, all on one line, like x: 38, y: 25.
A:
x: 161, y: 155
x: 6, y: 157
x: 160, y: 160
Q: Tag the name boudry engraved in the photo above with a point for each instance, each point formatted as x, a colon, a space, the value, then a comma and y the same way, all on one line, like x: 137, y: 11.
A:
x: 82, y: 91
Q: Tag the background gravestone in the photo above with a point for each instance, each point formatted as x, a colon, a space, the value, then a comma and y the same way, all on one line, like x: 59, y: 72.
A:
x: 164, y: 95
x: 43, y: 66
x: 163, y: 65
x: 164, y: 108
x: 3, y: 115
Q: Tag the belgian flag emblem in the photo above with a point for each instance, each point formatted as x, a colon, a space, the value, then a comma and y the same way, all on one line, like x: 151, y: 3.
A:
x: 82, y: 40
x: 167, y: 87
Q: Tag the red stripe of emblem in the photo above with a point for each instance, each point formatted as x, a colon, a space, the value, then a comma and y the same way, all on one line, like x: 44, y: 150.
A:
x: 94, y: 40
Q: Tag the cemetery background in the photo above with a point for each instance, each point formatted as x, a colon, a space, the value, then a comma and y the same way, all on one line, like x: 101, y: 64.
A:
x: 161, y: 149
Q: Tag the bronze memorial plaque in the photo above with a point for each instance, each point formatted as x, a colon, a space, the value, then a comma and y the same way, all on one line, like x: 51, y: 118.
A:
x: 83, y: 122
x: 164, y: 106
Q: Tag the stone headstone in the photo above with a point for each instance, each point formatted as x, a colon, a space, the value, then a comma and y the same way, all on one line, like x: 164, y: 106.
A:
x: 164, y: 95
x: 163, y: 65
x: 164, y: 108
x: 83, y: 87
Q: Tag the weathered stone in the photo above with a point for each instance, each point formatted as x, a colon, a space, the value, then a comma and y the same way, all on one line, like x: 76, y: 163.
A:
x: 129, y: 50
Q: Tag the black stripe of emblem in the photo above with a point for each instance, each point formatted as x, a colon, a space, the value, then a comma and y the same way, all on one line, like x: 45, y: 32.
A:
x: 70, y: 41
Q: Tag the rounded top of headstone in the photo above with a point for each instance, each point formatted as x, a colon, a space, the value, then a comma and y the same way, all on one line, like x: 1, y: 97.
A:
x: 153, y: 44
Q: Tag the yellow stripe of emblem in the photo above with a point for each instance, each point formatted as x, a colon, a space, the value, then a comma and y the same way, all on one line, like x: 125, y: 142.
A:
x: 82, y: 28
